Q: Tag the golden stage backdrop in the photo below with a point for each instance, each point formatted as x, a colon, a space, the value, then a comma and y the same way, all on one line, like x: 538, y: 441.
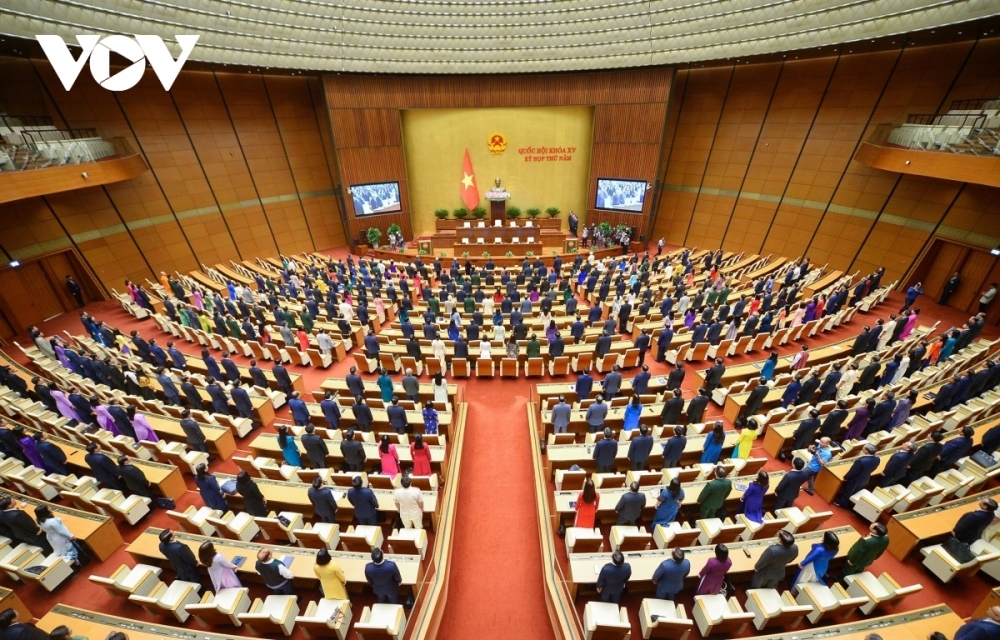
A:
x: 545, y: 163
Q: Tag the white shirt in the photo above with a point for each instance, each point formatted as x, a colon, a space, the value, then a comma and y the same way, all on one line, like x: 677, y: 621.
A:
x: 410, y: 502
x: 325, y: 343
x: 346, y: 311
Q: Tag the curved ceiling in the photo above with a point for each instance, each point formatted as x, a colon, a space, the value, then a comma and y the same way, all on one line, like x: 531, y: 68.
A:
x: 436, y: 36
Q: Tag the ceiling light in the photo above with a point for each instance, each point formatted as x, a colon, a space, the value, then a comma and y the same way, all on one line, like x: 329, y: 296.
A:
x: 17, y: 263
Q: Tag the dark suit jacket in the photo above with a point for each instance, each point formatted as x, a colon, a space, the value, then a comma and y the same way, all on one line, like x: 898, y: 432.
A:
x: 316, y: 449
x: 756, y: 399
x: 397, y: 417
x: 671, y: 413
x: 788, y: 488
x: 630, y: 505
x: 970, y: 527
x: 52, y: 456
x: 858, y: 475
x: 135, y: 480
x: 895, y: 469
x: 696, y: 408
x: 384, y: 578
x: 181, y: 559
x: 323, y: 502
x: 612, y: 579
x: 22, y: 527
x: 192, y: 431
x: 833, y: 422
x: 105, y: 470
x: 364, y: 502
x: 353, y: 452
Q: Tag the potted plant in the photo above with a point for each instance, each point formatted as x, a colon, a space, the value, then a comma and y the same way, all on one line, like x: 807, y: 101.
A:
x: 509, y: 254
x: 441, y: 214
x: 461, y: 213
x: 424, y: 252
x: 533, y: 212
x: 513, y: 212
x: 465, y: 254
x: 479, y: 213
x: 553, y: 212
x: 530, y: 254
x: 443, y: 255
x: 486, y: 254
x: 374, y: 235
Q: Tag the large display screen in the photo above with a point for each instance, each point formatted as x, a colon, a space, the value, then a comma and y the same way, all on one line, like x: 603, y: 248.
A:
x: 375, y: 198
x: 620, y: 195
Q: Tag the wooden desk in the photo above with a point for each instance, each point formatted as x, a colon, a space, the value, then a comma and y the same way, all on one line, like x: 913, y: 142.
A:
x: 831, y: 477
x: 96, y: 531
x: 146, y: 548
x: 549, y: 390
x: 497, y: 250
x: 208, y: 283
x: 10, y: 600
x: 219, y: 439
x: 195, y: 364
x: 931, y: 524
x: 744, y: 372
x: 770, y: 267
x: 584, y: 567
x: 820, y: 284
x: 339, y: 386
x: 293, y: 496
x: 992, y: 599
x: 564, y: 456
x: 266, y: 444
x: 166, y: 478
x: 610, y: 497
x: 615, y: 417
x: 912, y: 625
x: 554, y: 239
x: 380, y: 418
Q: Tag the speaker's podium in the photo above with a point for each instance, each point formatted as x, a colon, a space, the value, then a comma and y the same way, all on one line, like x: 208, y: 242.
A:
x: 498, y: 198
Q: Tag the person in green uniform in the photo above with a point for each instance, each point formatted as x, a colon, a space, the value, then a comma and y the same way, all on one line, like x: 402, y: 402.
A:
x: 710, y: 299
x: 469, y: 304
x: 713, y: 495
x: 434, y: 304
x: 307, y: 320
x: 865, y: 551
x: 534, y: 347
x: 724, y: 295
x: 234, y: 327
x: 290, y: 319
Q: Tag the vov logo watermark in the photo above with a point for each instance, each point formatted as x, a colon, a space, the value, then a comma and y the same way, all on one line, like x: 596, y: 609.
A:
x: 98, y: 51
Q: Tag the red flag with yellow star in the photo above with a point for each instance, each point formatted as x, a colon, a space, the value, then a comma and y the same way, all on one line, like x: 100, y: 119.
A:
x: 469, y: 189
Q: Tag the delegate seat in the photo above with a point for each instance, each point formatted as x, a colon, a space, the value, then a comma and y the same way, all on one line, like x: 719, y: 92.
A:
x: 606, y: 363
x: 583, y: 362
x: 918, y: 495
x: 606, y: 621
x: 714, y: 614
x: 803, y: 520
x: 870, y: 505
x: 769, y: 528
x: 628, y: 538
x: 410, y: 542
x: 271, y: 616
x: 235, y: 526
x: 417, y: 366
x: 719, y: 531
x: 826, y: 601
x: 882, y: 590
x: 559, y: 366
x: 133, y: 508
x: 771, y: 609
x: 459, y: 368
x: 221, y: 608
x: 125, y: 581
x: 273, y: 528
x: 326, y: 619
x: 952, y: 480
x: 390, y: 362
x: 318, y: 535
x: 361, y: 538
x: 510, y: 368
x: 364, y: 364
x: 664, y: 619
x: 946, y: 567
x: 381, y: 622
x: 675, y: 534
x: 534, y: 368
x: 584, y: 540
x: 49, y: 571
x: 172, y: 600
x: 568, y: 480
x: 485, y: 368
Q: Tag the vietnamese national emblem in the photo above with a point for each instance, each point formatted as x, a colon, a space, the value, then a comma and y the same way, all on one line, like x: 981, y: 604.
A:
x: 497, y: 143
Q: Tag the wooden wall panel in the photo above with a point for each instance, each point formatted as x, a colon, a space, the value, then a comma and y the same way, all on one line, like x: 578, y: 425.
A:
x: 631, y: 109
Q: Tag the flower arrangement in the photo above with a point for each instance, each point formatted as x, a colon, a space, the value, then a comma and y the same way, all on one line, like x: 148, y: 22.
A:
x: 374, y: 235
x: 509, y: 254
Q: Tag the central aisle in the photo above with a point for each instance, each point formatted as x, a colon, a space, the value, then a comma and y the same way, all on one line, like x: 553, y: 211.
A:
x: 495, y: 588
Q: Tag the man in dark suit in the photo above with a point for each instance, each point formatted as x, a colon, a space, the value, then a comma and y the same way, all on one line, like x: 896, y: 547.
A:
x: 331, y: 410
x: 770, y: 568
x: 584, y: 385
x: 613, y: 578
x: 232, y: 371
x: 869, y: 375
x: 673, y: 448
x: 642, y: 344
x: 805, y: 433
x: 672, y: 408
x: 828, y: 389
x: 397, y: 416
x: 858, y: 476
x: 21, y: 527
x: 120, y: 417
x: 942, y: 401
x: 605, y: 453
x: 220, y: 401
x: 788, y: 489
x: 300, y: 410
x: 834, y: 421
x: 874, y: 335
x: 603, y: 347
x: 808, y: 390
x: 924, y: 458
x: 82, y: 407
x: 987, y: 628
x: 192, y: 394
x: 315, y: 446
x: 630, y: 505
x: 241, y: 398
x: 362, y: 414
x: 383, y: 575
x: 949, y: 288
x: 363, y: 500
x: 970, y: 527
x: 323, y: 501
x: 52, y: 456
x: 676, y: 377
x: 640, y: 383
x: 696, y: 406
x: 861, y: 342
x: 192, y: 432
x: 954, y: 450
x: 44, y: 393
x: 133, y: 477
x: 713, y: 375
x: 756, y: 399
x: 882, y: 414
x: 895, y: 469
x: 698, y: 333
x: 284, y: 380
x: 103, y: 467
x: 180, y: 557
x: 353, y: 452
x: 257, y: 376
